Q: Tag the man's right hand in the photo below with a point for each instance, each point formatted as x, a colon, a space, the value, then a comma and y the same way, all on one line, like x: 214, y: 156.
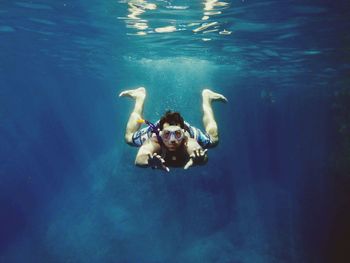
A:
x: 157, y: 162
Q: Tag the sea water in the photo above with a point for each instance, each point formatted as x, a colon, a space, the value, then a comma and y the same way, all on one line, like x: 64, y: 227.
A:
x: 274, y: 189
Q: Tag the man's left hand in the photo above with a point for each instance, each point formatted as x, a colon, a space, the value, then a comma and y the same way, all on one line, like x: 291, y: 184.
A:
x: 199, y: 156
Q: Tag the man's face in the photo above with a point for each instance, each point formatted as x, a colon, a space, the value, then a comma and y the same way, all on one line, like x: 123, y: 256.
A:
x: 172, y: 136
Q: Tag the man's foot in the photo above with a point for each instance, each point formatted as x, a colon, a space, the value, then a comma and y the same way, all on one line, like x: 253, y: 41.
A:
x: 211, y: 95
x: 134, y: 93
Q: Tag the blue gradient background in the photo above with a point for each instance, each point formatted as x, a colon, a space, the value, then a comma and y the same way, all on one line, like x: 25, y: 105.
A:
x: 69, y: 191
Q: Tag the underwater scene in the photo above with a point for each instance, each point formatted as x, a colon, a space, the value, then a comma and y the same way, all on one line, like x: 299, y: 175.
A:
x: 275, y: 189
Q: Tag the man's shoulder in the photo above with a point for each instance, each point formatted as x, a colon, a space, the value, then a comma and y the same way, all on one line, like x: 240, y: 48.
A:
x: 192, y: 144
x: 152, y: 141
x: 191, y: 141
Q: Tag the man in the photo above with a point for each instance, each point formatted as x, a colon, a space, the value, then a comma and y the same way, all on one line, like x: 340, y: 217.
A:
x: 171, y: 141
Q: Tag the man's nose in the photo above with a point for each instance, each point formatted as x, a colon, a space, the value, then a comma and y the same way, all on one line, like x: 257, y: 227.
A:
x: 172, y: 138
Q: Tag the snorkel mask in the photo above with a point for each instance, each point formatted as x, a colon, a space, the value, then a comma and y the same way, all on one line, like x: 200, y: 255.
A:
x: 172, y: 132
x: 167, y: 134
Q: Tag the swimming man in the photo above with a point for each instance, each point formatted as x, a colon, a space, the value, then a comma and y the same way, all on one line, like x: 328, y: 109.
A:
x: 171, y: 142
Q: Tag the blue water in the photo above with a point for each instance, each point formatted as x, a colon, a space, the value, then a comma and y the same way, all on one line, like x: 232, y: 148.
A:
x: 274, y: 190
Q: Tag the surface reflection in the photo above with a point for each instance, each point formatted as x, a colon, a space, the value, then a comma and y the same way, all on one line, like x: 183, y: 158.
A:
x: 136, y: 8
x: 145, y: 17
x: 211, y: 9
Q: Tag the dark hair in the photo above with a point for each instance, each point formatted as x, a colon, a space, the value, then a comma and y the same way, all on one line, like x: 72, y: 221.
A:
x: 173, y: 118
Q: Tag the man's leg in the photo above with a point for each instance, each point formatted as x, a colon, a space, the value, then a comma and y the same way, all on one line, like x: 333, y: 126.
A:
x: 132, y: 126
x: 209, y: 122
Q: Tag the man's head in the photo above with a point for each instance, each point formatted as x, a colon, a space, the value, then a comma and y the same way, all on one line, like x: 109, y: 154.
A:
x: 172, y: 130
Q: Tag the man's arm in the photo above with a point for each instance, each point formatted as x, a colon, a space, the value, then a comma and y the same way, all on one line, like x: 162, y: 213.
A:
x: 146, y: 150
x: 198, y: 156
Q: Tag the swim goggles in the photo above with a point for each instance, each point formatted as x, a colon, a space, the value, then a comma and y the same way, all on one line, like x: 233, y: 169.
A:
x: 172, y: 132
